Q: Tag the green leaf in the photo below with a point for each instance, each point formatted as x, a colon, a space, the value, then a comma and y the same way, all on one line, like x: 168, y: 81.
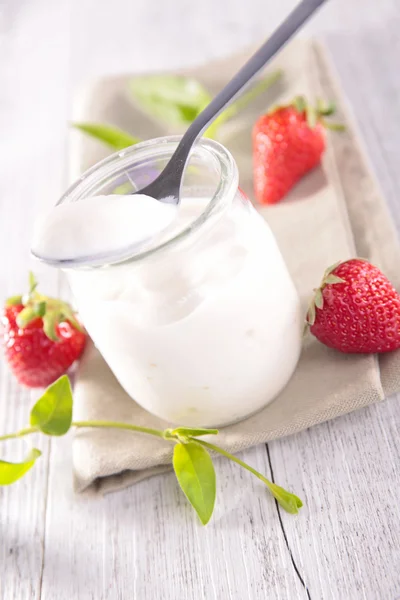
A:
x: 196, y: 476
x: 311, y: 314
x: 52, y: 413
x: 311, y: 115
x: 300, y: 104
x: 318, y: 299
x: 325, y: 108
x: 290, y: 502
x: 50, y: 321
x: 32, y: 282
x: 40, y: 308
x: 11, y: 472
x: 26, y: 316
x: 193, y: 432
x: 67, y: 313
x: 334, y: 126
x: 14, y: 300
x: 108, y: 134
x: 332, y: 268
x: 333, y: 279
x: 172, y: 99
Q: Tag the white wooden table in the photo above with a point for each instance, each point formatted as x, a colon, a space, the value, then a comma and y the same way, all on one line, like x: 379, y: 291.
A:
x: 145, y: 543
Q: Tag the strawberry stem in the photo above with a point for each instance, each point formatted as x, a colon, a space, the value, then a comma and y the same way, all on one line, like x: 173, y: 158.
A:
x: 18, y: 434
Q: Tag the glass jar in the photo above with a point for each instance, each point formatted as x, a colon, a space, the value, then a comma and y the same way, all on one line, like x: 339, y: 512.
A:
x: 203, y: 328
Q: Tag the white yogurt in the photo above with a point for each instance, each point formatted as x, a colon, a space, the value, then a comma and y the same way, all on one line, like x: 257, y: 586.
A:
x: 206, y: 334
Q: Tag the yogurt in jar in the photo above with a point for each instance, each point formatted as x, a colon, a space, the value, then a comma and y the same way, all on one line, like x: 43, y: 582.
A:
x: 199, y: 335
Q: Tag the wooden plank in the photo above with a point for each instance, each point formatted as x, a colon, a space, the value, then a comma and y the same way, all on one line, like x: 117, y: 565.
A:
x: 346, y: 543
x: 147, y: 543
x: 23, y: 506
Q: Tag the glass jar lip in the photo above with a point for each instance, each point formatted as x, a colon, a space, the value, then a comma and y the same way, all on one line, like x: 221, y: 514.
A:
x: 224, y: 193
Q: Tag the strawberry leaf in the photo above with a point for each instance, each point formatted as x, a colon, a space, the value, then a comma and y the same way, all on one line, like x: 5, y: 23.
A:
x: 319, y: 299
x: 11, y: 472
x: 325, y: 108
x: 311, y: 314
x: 329, y: 270
x: 32, y: 282
x: 300, y: 104
x: 39, y: 308
x: 26, y: 316
x: 111, y: 136
x: 14, y: 301
x: 311, y: 115
x: 66, y: 313
x: 50, y: 321
x: 333, y: 279
x: 52, y: 413
x: 334, y: 126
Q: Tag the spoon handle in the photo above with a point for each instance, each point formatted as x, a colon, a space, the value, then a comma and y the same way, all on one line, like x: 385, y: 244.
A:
x: 253, y: 66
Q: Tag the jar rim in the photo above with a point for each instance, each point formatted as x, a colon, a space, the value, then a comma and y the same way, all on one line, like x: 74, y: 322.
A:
x: 225, y: 190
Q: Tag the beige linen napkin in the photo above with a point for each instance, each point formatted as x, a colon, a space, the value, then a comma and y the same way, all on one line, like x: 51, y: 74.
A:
x: 334, y: 213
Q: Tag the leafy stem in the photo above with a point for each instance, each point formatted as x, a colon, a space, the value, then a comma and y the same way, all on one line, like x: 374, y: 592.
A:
x: 94, y: 424
x: 290, y: 502
x: 117, y: 425
x: 19, y: 434
x: 192, y: 463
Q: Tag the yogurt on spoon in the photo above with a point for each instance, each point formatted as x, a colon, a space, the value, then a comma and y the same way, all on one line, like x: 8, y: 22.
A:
x: 100, y: 226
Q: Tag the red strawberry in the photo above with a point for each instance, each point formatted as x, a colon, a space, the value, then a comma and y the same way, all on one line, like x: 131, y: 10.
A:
x: 287, y: 143
x: 42, y: 338
x: 356, y: 309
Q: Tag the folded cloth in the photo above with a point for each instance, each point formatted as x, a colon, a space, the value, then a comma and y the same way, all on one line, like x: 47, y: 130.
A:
x: 334, y: 213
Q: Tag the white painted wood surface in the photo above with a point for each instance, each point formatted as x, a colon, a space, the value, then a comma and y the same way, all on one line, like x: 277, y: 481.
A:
x: 144, y: 543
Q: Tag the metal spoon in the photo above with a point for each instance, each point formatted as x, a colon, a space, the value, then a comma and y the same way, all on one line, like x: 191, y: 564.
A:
x: 166, y: 187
